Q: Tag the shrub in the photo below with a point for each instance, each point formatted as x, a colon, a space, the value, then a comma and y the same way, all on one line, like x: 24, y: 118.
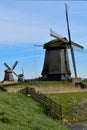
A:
x: 79, y: 109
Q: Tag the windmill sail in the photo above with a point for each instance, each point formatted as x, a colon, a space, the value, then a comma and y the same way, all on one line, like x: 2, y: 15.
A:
x: 14, y: 65
x: 54, y: 34
x: 15, y: 74
x: 7, y: 66
x: 70, y: 43
x: 77, y: 45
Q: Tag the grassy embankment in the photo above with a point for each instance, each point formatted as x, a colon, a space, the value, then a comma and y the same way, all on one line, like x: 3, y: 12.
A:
x: 18, y: 112
x: 84, y: 81
x: 40, y: 84
x: 74, y: 105
x: 65, y: 99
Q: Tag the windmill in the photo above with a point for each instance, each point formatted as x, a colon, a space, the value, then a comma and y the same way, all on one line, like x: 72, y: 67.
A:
x: 56, y: 64
x: 9, y: 72
x: 21, y: 76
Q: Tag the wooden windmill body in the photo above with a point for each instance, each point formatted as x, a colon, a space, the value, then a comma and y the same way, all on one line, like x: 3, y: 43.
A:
x: 8, y: 75
x: 21, y: 77
x: 56, y: 63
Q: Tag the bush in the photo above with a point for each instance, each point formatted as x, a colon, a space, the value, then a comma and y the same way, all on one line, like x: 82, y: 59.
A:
x: 79, y: 109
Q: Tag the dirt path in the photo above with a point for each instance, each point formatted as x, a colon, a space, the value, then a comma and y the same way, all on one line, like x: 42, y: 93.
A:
x: 49, y: 90
x: 60, y: 90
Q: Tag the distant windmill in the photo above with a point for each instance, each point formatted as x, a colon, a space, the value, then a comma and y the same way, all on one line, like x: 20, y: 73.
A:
x: 21, y: 76
x: 9, y: 72
x: 56, y: 63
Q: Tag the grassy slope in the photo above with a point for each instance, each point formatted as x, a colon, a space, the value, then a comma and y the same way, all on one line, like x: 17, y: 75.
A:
x: 18, y: 112
x: 65, y: 99
x: 40, y: 84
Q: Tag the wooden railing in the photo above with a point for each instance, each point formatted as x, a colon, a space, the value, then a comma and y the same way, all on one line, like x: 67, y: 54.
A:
x: 50, y: 107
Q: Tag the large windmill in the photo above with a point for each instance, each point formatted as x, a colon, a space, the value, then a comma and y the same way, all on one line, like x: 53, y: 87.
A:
x: 56, y: 63
x: 9, y: 72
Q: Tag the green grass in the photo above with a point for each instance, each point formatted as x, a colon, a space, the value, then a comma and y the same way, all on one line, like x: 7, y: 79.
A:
x: 18, y: 112
x: 65, y: 99
x: 84, y: 81
x: 44, y: 84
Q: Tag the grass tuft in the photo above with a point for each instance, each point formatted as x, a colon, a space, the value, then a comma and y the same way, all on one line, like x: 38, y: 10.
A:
x: 5, y: 120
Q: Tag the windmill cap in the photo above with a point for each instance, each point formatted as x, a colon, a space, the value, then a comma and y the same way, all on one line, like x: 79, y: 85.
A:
x: 56, y: 43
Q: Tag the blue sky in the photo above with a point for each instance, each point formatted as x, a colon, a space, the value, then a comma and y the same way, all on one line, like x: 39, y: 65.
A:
x: 24, y: 23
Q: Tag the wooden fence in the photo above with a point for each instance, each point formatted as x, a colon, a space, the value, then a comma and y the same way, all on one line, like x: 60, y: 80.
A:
x: 50, y: 107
